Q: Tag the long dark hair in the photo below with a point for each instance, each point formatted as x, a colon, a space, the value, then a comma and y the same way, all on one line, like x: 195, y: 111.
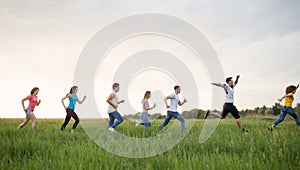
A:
x: 72, y: 90
x: 290, y: 89
x: 33, y: 90
x: 147, y: 93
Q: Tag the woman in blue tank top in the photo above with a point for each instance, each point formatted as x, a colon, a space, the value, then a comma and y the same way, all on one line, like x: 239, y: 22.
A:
x: 70, y: 109
x: 144, y: 114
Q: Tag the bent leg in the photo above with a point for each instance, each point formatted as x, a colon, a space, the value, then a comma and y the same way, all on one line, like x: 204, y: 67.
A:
x: 111, y: 120
x: 295, y: 116
x: 216, y: 115
x: 239, y: 124
x: 145, y: 120
x: 67, y: 119
x: 235, y: 113
x: 182, y: 121
x: 281, y: 118
x: 75, y: 117
x: 34, y: 120
x: 147, y: 125
x: 119, y: 118
x: 225, y: 111
x: 167, y: 120
x: 26, y: 120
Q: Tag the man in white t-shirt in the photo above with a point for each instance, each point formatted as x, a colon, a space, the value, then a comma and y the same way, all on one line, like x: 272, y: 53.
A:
x: 172, y: 109
x: 112, y: 111
x: 228, y: 106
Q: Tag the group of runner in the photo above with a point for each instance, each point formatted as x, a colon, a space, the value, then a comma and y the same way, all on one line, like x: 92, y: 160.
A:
x: 116, y: 119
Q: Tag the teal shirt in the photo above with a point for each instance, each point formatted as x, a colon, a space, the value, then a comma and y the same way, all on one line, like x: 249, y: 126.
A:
x: 72, y: 100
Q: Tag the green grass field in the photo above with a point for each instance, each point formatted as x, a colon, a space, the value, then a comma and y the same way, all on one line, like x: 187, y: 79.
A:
x: 227, y: 148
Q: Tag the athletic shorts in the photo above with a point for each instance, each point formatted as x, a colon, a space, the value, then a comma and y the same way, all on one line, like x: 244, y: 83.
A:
x: 28, y: 111
x: 230, y: 108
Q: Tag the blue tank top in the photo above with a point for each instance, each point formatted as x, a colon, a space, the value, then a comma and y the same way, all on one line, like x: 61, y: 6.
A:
x: 72, y: 100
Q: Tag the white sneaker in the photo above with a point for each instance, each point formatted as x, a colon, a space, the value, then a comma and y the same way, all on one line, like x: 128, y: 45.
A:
x: 137, y: 123
x: 72, y: 131
x: 111, y: 129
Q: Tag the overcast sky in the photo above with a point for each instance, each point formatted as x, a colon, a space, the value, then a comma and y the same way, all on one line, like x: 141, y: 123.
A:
x: 42, y: 40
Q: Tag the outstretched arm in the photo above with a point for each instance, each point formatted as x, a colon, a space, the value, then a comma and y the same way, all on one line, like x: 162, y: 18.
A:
x: 218, y: 84
x: 280, y: 99
x: 287, y: 95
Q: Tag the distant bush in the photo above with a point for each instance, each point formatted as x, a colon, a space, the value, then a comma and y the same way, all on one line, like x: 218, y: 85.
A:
x: 269, y: 111
x: 194, y: 114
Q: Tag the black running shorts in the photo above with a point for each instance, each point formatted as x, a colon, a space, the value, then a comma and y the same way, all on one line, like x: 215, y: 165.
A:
x: 230, y: 108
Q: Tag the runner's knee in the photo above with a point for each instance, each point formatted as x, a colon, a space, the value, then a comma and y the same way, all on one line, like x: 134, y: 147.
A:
x: 34, y: 120
x: 181, y: 118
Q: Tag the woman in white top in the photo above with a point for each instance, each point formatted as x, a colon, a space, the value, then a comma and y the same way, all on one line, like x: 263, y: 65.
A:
x: 144, y: 114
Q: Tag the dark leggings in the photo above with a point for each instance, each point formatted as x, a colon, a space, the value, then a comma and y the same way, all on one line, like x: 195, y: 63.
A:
x: 70, y: 113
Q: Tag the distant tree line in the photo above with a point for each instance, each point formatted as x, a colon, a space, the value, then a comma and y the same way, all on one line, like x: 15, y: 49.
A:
x: 264, y: 110
x: 199, y: 113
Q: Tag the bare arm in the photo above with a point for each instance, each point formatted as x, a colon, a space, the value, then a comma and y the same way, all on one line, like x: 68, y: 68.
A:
x: 287, y: 95
x: 109, y: 99
x: 150, y: 108
x: 38, y: 103
x: 122, y: 101
x: 236, y: 80
x: 62, y: 100
x: 181, y: 103
x: 165, y: 100
x: 81, y: 101
x: 280, y: 99
x: 22, y: 101
x: 218, y: 84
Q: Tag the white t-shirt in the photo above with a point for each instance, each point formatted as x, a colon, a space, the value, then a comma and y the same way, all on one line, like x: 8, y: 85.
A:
x: 115, y: 101
x: 173, y: 102
x: 229, y: 93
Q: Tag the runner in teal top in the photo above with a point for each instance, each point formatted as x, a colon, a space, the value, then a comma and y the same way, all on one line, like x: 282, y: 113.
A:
x: 73, y: 99
x: 70, y: 109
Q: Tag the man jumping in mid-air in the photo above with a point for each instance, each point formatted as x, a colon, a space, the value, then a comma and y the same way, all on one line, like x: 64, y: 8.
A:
x: 228, y: 105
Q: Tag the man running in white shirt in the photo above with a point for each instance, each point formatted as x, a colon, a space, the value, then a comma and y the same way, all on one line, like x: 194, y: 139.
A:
x: 172, y: 109
x: 113, y: 103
